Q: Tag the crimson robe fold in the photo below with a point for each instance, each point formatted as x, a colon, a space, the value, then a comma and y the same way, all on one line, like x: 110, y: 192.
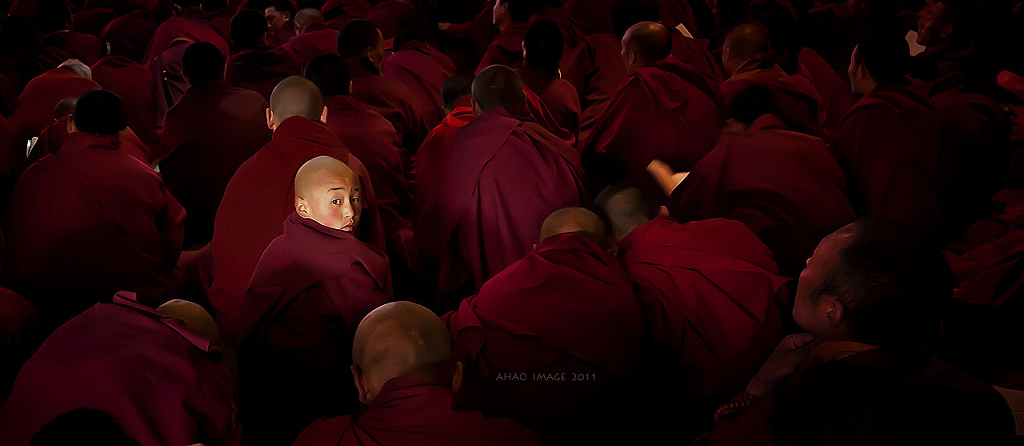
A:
x: 180, y: 27
x: 308, y: 293
x: 57, y: 47
x: 165, y: 384
x: 317, y: 39
x: 558, y: 95
x: 32, y: 110
x: 595, y: 68
x: 424, y: 70
x: 393, y: 100
x: 261, y: 69
x: 259, y: 197
x: 134, y: 83
x: 434, y: 151
x: 794, y: 98
x: 554, y: 342
x: 394, y: 17
x: 506, y: 48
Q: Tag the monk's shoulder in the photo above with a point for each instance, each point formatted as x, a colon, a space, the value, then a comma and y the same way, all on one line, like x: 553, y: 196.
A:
x: 325, y: 431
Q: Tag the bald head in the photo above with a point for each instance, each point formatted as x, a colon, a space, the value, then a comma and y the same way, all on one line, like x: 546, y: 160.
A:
x: 400, y: 339
x: 296, y: 96
x: 65, y: 107
x: 645, y: 44
x: 575, y: 221
x: 742, y: 44
x: 498, y: 86
x: 306, y: 17
x: 624, y: 207
x: 195, y: 317
x: 328, y: 192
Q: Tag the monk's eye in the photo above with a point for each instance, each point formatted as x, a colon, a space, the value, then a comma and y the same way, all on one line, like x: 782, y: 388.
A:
x: 336, y: 201
x: 355, y: 199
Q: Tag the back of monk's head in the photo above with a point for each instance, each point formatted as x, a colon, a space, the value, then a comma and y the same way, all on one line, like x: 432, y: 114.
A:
x: 401, y: 339
x: 498, y: 86
x: 742, y: 44
x: 626, y: 13
x: 306, y: 17
x: 248, y: 27
x: 455, y: 88
x: 574, y: 220
x: 543, y: 46
x: 83, y: 426
x: 357, y: 38
x: 330, y: 73
x: 100, y: 112
x: 296, y: 96
x: 885, y: 55
x: 649, y: 41
x: 623, y: 207
x: 65, y: 107
x: 203, y: 63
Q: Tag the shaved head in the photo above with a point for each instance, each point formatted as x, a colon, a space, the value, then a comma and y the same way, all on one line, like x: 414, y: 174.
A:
x: 645, y: 44
x: 195, y: 317
x: 328, y: 192
x: 296, y: 96
x: 624, y: 207
x: 65, y: 107
x: 575, y: 221
x: 498, y: 86
x: 400, y: 339
x: 742, y: 44
x: 307, y: 16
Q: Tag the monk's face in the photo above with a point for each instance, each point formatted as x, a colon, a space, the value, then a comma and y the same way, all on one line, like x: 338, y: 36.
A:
x: 810, y: 311
x: 499, y: 13
x: 932, y: 24
x: 276, y: 19
x: 334, y: 202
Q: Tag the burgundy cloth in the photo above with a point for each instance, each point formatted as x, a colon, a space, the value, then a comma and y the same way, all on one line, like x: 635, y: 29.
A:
x: 479, y: 29
x: 558, y: 95
x: 344, y: 10
x: 55, y: 48
x: 594, y: 15
x: 595, y: 68
x: 410, y: 411
x: 783, y: 185
x: 241, y: 231
x: 169, y: 75
x: 211, y: 131
x: 180, y: 27
x: 165, y: 384
x: 991, y: 274
x: 794, y: 99
x: 261, y: 69
x: 668, y: 111
x: 893, y: 150
x: 134, y: 83
x: 393, y: 100
x: 219, y: 20
x: 373, y: 140
x: 282, y: 35
x: 33, y: 109
x: 394, y: 17
x: 834, y: 92
x: 423, y: 69
x: 17, y: 334
x: 567, y: 307
x: 118, y: 228
x: 12, y: 157
x: 53, y: 137
x: 310, y: 289
x: 130, y: 34
x: 434, y: 151
x: 316, y: 40
x: 674, y: 12
x: 695, y: 53
x: 506, y: 48
x: 92, y: 20
x: 502, y: 176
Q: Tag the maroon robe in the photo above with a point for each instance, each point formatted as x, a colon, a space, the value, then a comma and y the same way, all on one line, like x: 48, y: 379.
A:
x: 55, y: 48
x: 373, y: 140
x: 567, y: 307
x: 131, y: 34
x: 338, y: 12
x: 17, y: 335
x: 668, y: 111
x: 169, y: 75
x: 261, y: 69
x: 53, y: 137
x: 317, y: 39
x: 410, y: 411
x: 92, y: 20
x: 695, y: 53
x: 558, y: 96
x: 434, y: 151
x: 33, y: 109
x: 782, y: 184
x: 242, y: 230
x: 834, y: 92
x: 134, y: 83
x: 988, y: 274
x: 117, y: 228
x: 479, y: 29
x: 307, y: 295
x: 393, y: 100
x: 180, y: 27
x: 893, y: 150
x: 595, y: 68
x: 211, y: 131
x: 423, y: 69
x: 502, y: 176
x: 165, y: 384
x: 394, y: 17
x: 506, y: 48
x: 794, y: 99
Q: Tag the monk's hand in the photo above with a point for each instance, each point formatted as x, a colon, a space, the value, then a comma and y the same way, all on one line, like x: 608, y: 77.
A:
x: 443, y: 26
x: 790, y: 353
x: 667, y: 178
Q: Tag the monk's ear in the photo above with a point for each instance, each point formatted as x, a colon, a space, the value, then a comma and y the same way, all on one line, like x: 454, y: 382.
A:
x: 72, y: 128
x: 302, y: 208
x: 270, y: 120
x: 946, y: 31
x: 834, y: 311
x: 357, y: 376
x: 323, y: 116
x: 457, y: 377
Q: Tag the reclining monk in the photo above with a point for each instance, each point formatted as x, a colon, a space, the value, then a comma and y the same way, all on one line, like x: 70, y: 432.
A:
x: 260, y: 196
x: 402, y: 366
x: 554, y: 340
x: 309, y: 291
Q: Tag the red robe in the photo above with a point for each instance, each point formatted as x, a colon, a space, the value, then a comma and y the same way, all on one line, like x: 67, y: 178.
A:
x: 893, y: 150
x: 558, y: 96
x: 988, y: 274
x: 393, y: 100
x: 434, y: 151
x: 834, y: 92
x: 169, y: 75
x: 131, y: 34
x: 595, y: 68
x: 783, y: 185
x: 795, y: 100
x: 117, y: 228
x: 373, y: 140
x: 423, y: 69
x: 60, y: 46
x: 506, y: 48
x: 33, y: 109
x: 410, y: 411
x: 713, y: 296
x: 53, y: 137
x: 567, y: 307
x: 394, y: 17
x: 134, y: 84
x: 17, y: 336
x: 316, y: 40
x: 668, y: 111
x: 338, y: 12
x: 242, y: 230
x: 178, y: 27
x: 694, y: 52
x: 502, y: 176
x: 310, y: 289
x: 211, y: 131
x: 165, y: 384
x: 261, y: 69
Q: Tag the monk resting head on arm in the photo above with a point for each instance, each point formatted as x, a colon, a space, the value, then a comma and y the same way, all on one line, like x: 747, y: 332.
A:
x: 99, y: 112
x: 497, y: 86
x: 741, y: 45
x: 578, y: 221
x: 645, y: 44
x: 624, y: 207
x: 402, y: 340
x: 295, y: 96
x: 328, y: 192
